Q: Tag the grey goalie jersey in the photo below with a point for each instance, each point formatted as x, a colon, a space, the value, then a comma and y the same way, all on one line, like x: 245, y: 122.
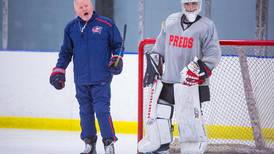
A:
x: 179, y: 46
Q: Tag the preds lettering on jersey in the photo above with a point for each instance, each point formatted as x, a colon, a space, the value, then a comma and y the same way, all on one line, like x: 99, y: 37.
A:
x: 180, y: 41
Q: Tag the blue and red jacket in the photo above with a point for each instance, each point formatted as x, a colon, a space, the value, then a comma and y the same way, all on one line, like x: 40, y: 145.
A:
x: 91, y: 45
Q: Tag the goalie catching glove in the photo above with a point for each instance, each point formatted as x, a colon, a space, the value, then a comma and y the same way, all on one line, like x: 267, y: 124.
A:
x: 195, y: 73
x: 116, y: 64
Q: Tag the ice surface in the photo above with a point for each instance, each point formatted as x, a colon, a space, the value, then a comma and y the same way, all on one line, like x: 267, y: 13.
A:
x: 16, y: 141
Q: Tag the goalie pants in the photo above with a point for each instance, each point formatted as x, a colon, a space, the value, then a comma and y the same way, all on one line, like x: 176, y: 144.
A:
x: 167, y: 93
x: 95, y: 99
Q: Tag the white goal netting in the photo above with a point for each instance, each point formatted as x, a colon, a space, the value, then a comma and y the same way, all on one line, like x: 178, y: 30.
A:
x: 240, y: 116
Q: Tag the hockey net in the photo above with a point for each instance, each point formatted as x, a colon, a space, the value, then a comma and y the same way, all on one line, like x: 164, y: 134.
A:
x: 240, y: 116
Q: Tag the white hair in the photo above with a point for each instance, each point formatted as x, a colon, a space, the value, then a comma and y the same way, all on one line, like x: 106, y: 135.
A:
x: 74, y: 1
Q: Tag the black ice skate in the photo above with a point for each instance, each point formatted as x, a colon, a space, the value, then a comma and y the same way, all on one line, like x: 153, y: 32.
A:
x: 90, y: 146
x: 109, y: 146
x: 164, y: 149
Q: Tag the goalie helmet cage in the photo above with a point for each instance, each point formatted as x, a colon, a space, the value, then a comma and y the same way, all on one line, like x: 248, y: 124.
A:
x: 240, y: 116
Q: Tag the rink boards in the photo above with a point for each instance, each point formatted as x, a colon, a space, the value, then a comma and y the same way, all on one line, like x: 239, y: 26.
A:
x: 28, y: 101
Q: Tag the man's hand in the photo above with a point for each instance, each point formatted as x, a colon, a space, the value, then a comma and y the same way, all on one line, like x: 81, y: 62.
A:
x: 57, y: 78
x: 116, y: 64
x: 195, y: 73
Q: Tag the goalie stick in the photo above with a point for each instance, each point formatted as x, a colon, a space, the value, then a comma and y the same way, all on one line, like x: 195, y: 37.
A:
x: 122, y: 46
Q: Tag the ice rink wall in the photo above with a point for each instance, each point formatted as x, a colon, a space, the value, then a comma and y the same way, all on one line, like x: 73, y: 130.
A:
x: 27, y: 100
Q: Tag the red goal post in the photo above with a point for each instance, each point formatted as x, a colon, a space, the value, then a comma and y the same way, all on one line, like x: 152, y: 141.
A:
x: 259, y: 135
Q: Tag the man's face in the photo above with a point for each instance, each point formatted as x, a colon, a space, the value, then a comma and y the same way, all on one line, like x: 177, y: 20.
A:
x: 191, y: 7
x: 83, y: 9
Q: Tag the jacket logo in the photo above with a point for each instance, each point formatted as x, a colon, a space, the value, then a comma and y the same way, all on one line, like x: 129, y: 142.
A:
x: 97, y: 29
x: 180, y: 41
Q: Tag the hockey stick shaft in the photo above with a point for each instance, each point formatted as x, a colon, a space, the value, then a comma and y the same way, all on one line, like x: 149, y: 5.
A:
x: 123, y: 45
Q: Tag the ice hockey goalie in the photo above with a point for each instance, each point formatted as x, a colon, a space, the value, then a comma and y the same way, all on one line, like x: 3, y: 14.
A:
x: 189, y: 46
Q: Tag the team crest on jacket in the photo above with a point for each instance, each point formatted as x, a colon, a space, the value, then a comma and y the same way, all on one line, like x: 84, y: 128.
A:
x: 97, y: 29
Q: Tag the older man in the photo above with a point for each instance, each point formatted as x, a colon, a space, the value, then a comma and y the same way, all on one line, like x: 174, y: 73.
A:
x: 94, y: 43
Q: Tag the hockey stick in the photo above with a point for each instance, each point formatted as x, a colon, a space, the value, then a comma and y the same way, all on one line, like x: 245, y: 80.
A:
x: 122, y: 46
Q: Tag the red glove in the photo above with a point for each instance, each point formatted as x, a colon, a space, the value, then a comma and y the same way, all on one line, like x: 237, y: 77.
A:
x: 195, y: 73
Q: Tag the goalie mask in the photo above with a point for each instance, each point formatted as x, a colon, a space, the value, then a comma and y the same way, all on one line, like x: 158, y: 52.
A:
x: 191, y: 16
